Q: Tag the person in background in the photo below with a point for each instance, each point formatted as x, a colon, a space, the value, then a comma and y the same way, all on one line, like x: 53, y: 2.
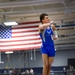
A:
x: 27, y: 72
x: 31, y: 71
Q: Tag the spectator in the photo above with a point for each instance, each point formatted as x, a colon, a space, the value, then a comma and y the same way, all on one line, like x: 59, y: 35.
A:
x: 31, y: 71
x: 26, y: 72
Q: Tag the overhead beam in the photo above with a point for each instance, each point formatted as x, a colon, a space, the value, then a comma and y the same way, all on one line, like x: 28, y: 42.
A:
x: 28, y: 3
x: 28, y: 12
x: 35, y: 11
x: 65, y: 46
x: 64, y: 42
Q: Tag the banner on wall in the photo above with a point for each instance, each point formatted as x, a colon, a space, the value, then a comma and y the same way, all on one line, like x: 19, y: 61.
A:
x: 20, y: 37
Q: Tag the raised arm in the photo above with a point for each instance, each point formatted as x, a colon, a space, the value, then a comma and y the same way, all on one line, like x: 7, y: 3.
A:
x: 42, y: 26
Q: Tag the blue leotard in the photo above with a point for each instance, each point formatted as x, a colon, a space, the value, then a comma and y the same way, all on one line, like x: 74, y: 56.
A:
x: 47, y: 42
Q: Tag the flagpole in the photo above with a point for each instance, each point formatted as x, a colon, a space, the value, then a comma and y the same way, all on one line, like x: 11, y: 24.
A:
x: 34, y: 55
x: 0, y: 58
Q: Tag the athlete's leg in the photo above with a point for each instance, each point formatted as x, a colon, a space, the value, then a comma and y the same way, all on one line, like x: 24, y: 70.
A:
x: 50, y: 59
x: 46, y: 64
x: 51, y: 54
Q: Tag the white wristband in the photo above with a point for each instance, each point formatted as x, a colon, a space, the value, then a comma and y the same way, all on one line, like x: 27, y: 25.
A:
x: 55, y: 34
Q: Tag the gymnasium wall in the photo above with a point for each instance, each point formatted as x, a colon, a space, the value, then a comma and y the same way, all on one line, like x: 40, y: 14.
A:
x: 17, y: 60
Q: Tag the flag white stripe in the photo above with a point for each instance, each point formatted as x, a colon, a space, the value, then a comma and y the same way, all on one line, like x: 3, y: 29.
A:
x: 20, y: 42
x: 27, y: 33
x: 22, y: 38
x: 27, y: 29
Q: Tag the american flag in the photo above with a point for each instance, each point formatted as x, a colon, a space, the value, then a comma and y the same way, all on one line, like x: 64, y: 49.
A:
x: 20, y: 37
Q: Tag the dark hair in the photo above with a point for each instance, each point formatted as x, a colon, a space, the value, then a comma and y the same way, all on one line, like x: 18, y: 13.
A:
x: 42, y: 16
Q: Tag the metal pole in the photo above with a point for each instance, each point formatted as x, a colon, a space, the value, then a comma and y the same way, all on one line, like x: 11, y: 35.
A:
x: 34, y: 55
x: 0, y: 58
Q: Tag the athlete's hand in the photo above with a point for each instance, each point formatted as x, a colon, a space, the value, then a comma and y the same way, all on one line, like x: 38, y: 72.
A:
x: 53, y: 37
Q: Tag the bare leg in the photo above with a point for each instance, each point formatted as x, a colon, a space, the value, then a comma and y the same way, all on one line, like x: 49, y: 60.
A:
x: 50, y: 62
x: 46, y: 64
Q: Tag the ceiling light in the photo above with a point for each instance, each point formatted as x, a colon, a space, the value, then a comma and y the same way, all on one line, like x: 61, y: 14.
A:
x: 10, y: 23
x: 9, y: 52
x: 1, y: 62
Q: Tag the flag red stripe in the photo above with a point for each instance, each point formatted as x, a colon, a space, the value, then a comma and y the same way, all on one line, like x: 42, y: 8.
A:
x: 25, y: 31
x: 16, y: 49
x: 25, y: 27
x: 8, y: 41
x: 34, y: 22
x: 19, y: 44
